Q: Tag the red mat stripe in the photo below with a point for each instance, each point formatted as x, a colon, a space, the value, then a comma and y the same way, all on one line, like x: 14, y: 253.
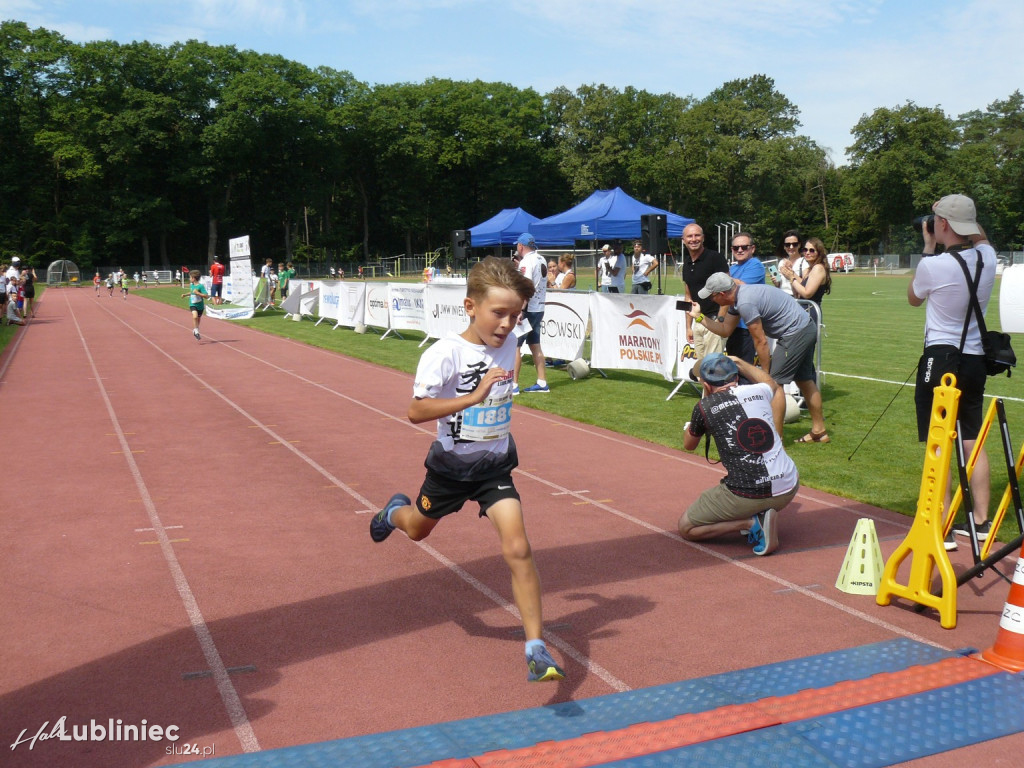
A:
x: 647, y: 738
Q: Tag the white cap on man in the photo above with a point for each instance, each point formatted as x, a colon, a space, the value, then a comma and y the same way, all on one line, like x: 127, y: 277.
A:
x: 959, y: 211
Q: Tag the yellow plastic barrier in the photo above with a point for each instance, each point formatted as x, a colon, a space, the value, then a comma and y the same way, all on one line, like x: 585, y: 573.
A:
x: 925, y: 539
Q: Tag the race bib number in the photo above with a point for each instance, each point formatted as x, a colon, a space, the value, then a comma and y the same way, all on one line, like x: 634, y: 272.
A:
x: 490, y: 420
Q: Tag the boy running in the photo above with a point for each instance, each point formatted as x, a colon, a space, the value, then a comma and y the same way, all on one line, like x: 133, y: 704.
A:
x: 195, y: 300
x: 464, y: 382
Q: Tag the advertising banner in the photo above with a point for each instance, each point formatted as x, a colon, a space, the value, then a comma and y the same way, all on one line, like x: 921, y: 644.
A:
x: 632, y: 331
x: 351, y: 299
x: 444, y: 304
x: 565, y: 325
x: 238, y: 284
x: 405, y: 303
x: 375, y: 311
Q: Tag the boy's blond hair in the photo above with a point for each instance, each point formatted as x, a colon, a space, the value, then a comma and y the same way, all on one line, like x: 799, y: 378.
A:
x: 493, y: 272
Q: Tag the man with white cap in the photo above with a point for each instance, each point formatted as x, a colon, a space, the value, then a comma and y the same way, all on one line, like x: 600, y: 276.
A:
x: 760, y: 477
x: 768, y: 312
x: 947, y: 349
x: 533, y: 265
x: 610, y: 271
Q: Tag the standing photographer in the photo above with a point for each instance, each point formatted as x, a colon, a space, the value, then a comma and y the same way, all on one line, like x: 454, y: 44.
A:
x: 941, y: 281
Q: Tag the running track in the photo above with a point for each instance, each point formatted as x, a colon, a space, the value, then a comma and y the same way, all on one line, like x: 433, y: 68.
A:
x: 185, y: 542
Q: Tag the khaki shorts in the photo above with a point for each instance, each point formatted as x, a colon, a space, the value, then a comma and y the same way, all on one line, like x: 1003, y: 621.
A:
x: 720, y: 505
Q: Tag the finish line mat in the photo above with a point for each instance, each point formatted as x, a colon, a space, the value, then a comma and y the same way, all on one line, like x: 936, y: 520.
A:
x: 874, y: 705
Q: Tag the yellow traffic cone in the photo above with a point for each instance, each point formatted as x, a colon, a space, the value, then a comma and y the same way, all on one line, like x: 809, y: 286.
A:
x: 862, y: 568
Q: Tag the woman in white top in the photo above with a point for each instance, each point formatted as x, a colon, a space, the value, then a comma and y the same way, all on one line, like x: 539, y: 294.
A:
x: 566, y: 277
x: 793, y: 266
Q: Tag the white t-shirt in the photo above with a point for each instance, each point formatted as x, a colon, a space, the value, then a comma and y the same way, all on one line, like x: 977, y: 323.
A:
x: 454, y: 367
x: 641, y: 264
x: 940, y: 280
x: 535, y: 266
x: 608, y: 263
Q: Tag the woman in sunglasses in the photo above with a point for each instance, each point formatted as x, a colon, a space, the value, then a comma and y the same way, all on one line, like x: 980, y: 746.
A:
x: 793, y: 265
x: 817, y: 280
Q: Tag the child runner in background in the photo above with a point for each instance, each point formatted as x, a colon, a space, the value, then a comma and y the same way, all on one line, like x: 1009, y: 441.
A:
x: 124, y: 285
x: 196, y: 303
x: 464, y: 382
x: 96, y: 280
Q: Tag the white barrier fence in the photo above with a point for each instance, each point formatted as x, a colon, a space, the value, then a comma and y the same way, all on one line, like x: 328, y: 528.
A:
x: 626, y: 331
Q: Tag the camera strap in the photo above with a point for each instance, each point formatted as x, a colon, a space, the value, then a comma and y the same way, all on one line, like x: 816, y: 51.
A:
x: 972, y: 287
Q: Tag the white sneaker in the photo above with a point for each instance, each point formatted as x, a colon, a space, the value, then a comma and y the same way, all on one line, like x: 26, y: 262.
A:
x: 195, y: 332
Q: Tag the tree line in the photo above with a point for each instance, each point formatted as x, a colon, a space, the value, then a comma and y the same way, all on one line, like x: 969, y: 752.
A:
x: 156, y: 155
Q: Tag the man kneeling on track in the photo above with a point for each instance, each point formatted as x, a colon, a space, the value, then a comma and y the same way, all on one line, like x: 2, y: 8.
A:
x: 760, y: 477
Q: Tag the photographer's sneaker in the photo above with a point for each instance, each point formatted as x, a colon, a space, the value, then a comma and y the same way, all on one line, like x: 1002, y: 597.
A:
x: 983, y: 529
x: 764, y: 533
x: 537, y: 388
x: 950, y: 542
x: 380, y: 528
x: 542, y: 666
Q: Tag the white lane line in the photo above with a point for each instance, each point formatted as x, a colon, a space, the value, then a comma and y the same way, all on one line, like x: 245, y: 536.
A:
x: 228, y: 693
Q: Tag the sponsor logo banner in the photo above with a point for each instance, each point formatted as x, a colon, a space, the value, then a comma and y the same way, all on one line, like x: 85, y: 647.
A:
x: 445, y: 308
x: 632, y: 331
x: 565, y: 325
x: 405, y: 305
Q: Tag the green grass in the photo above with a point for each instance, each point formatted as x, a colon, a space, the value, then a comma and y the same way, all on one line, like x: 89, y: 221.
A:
x: 870, y: 331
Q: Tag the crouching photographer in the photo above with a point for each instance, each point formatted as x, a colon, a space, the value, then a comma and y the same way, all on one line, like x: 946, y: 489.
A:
x: 963, y: 269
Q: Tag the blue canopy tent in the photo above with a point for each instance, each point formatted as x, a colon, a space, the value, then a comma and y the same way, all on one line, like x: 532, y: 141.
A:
x: 501, y: 229
x: 608, y: 214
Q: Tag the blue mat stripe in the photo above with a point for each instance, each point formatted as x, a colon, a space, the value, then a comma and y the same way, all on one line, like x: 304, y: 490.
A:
x: 512, y: 730
x: 872, y: 736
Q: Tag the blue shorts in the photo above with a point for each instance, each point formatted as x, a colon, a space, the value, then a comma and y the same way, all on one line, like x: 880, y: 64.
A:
x: 533, y: 337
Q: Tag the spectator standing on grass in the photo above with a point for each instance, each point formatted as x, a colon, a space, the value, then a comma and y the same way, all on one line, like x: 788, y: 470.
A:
x: 643, y: 265
x: 217, y: 281
x: 769, y: 312
x: 464, y: 382
x: 817, y: 279
x: 940, y: 281
x: 196, y: 304
x: 605, y: 270
x: 746, y: 268
x: 760, y: 477
x: 28, y: 289
x: 792, y: 265
x: 700, y: 263
x: 552, y: 273
x: 533, y: 266
x: 566, y: 277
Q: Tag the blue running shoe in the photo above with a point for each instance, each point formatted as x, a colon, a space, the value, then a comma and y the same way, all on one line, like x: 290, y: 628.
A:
x: 380, y: 528
x: 537, y: 388
x: 515, y: 389
x: 542, y: 666
x: 764, y: 533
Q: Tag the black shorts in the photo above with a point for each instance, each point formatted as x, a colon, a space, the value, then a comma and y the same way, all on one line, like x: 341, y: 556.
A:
x: 197, y: 308
x: 970, y: 380
x: 450, y: 483
x: 440, y: 495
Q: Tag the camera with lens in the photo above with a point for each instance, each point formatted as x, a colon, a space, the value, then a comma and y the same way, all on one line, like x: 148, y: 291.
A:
x: 925, y: 221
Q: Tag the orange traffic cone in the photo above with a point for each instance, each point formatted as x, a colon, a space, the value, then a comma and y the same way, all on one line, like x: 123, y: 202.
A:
x: 1008, y: 650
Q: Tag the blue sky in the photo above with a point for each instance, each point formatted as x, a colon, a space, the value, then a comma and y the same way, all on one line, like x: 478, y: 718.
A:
x: 836, y: 60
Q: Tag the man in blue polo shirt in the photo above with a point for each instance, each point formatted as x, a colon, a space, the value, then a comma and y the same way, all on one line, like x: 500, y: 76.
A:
x: 747, y: 268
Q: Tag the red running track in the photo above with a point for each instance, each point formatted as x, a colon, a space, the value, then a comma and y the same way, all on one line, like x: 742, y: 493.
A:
x: 185, y: 542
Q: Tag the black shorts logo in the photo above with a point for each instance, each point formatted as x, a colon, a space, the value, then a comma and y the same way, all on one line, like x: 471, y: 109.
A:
x: 425, y: 503
x: 755, y: 436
